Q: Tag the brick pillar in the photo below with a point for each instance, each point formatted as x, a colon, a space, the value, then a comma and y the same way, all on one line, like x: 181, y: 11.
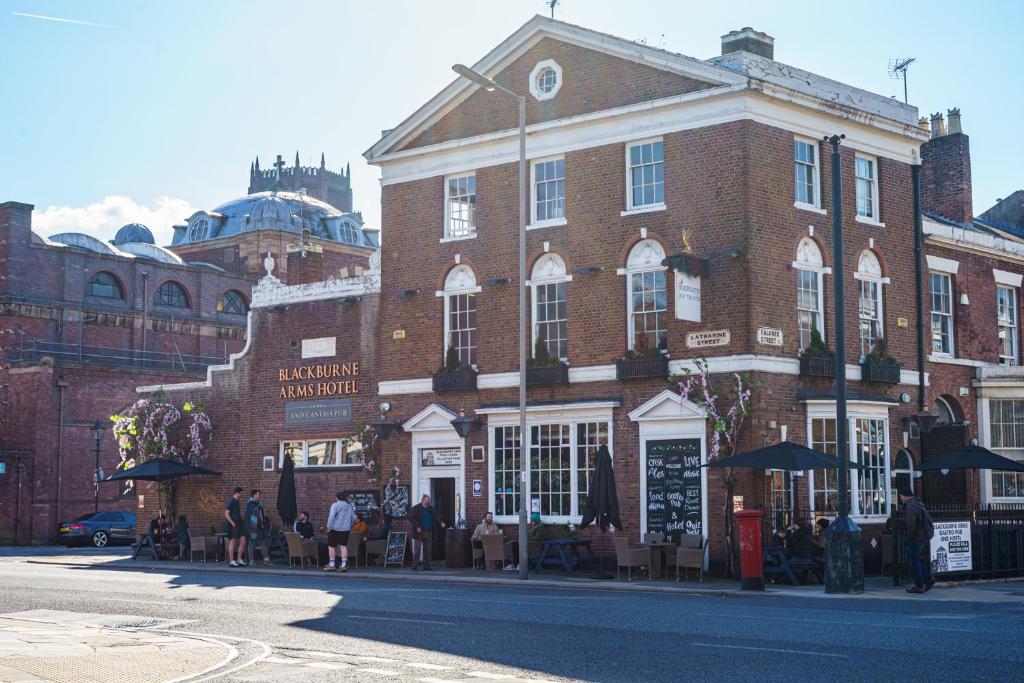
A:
x: 946, y: 171
x: 15, y: 231
x: 305, y: 264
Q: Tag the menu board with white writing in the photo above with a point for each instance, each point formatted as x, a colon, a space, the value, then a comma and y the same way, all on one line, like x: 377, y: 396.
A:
x: 674, y: 495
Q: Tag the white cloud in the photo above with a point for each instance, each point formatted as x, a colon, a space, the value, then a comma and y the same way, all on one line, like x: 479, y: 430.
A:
x: 103, y: 218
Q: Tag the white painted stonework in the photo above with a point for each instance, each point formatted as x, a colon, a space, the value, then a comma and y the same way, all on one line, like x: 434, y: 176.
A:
x: 321, y: 347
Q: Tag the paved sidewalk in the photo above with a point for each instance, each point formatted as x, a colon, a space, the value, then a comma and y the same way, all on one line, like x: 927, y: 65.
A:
x: 875, y: 587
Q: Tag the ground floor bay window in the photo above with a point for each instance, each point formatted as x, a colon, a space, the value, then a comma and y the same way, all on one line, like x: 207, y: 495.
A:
x: 868, y: 435
x: 561, y: 447
x: 1006, y: 435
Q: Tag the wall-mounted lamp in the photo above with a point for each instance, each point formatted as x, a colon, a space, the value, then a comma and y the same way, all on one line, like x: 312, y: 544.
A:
x: 494, y: 281
x: 463, y: 425
x: 385, y: 427
x: 925, y: 421
x: 408, y: 292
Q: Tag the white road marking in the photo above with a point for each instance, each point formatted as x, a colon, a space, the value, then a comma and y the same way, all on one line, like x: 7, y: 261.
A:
x: 258, y: 658
x: 411, y: 621
x: 773, y: 649
x: 380, y: 672
x: 439, y: 680
x: 282, y: 660
x: 731, y: 617
x: 488, y: 675
x: 333, y: 666
x: 425, y: 665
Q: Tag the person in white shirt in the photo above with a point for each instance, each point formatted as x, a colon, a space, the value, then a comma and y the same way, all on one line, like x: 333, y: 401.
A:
x: 339, y: 523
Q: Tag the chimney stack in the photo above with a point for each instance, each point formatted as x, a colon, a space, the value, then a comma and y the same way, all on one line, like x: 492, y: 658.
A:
x: 946, y: 171
x: 749, y: 40
x: 305, y: 263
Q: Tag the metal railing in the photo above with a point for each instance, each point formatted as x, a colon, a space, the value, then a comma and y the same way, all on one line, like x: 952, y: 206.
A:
x: 35, y: 350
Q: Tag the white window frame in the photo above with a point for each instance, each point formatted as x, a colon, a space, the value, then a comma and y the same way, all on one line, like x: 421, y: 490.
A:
x: 460, y: 280
x: 539, y: 94
x: 643, y: 208
x: 1010, y: 326
x: 985, y: 434
x: 446, y: 231
x: 569, y: 414
x: 343, y: 443
x: 645, y: 257
x: 809, y: 258
x: 550, y: 222
x: 869, y: 271
x: 948, y: 317
x: 875, y: 217
x: 549, y: 269
x: 816, y: 180
x: 855, y: 410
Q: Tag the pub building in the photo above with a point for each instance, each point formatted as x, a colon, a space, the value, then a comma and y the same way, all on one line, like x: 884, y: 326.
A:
x: 678, y: 209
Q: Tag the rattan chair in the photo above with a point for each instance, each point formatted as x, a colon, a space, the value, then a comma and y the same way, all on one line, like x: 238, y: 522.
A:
x: 628, y: 557
x: 494, y: 551
x: 690, y: 555
x: 300, y: 550
x: 353, y: 549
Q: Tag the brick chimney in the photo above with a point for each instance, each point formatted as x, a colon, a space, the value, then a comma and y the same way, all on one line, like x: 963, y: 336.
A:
x: 15, y: 235
x: 305, y: 262
x: 946, y: 170
x: 749, y: 40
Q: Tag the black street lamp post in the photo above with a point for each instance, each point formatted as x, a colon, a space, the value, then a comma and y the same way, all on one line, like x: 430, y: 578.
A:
x: 844, y: 552
x: 97, y: 435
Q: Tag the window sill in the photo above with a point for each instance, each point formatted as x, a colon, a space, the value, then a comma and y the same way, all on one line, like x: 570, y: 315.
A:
x: 870, y: 221
x: 643, y: 209
x: 951, y: 360
x: 554, y: 223
x: 810, y: 207
x: 326, y: 468
x: 457, y: 239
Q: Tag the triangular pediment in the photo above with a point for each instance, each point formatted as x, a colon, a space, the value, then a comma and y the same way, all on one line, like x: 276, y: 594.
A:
x: 668, y: 405
x: 432, y: 418
x: 616, y: 69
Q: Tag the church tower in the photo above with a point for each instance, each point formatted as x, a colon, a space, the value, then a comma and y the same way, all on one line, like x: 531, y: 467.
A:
x: 320, y: 183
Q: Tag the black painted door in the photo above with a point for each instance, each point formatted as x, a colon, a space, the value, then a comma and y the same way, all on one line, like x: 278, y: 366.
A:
x: 442, y: 492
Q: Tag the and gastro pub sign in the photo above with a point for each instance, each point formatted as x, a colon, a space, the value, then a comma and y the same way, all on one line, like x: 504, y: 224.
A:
x: 329, y: 412
x: 318, y: 381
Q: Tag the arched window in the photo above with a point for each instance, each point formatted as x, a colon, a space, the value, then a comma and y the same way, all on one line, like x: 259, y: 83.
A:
x: 105, y: 285
x: 347, y: 233
x: 809, y: 269
x: 460, y: 290
x: 646, y: 297
x: 869, y: 273
x: 233, y: 302
x: 945, y: 412
x: 171, y: 294
x: 199, y: 229
x: 550, y: 305
x: 903, y: 470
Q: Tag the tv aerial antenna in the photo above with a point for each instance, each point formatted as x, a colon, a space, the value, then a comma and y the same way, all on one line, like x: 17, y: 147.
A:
x: 551, y: 6
x: 898, y: 71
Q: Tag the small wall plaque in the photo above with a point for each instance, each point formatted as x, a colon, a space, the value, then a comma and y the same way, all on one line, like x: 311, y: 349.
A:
x: 699, y: 340
x: 268, y: 463
x: 398, y: 334
x: 769, y: 336
x: 478, y: 454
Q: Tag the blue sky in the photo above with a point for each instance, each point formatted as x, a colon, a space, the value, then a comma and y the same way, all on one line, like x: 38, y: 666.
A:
x: 160, y: 108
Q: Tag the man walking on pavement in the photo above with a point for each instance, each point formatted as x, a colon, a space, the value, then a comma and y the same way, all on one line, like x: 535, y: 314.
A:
x: 339, y: 523
x: 234, y: 528
x: 423, y: 518
x: 919, y: 528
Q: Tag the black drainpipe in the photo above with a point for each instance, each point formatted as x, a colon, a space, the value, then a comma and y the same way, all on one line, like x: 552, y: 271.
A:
x: 915, y: 173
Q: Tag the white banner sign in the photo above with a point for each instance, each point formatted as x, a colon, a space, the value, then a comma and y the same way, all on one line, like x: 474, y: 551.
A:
x: 769, y: 336
x: 434, y: 457
x: 951, y: 547
x: 687, y: 297
x: 698, y: 340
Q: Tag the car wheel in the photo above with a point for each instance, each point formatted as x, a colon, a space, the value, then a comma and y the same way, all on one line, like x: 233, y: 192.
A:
x: 100, y: 539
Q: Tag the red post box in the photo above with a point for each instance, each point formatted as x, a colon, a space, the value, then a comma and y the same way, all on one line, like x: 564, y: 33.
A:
x: 751, y: 576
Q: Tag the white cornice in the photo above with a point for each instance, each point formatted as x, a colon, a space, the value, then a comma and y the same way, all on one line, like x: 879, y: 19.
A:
x: 270, y: 291
x: 972, y: 241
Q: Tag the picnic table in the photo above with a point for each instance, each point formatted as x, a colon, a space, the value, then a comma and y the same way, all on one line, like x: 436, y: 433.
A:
x: 564, y: 552
x: 775, y: 562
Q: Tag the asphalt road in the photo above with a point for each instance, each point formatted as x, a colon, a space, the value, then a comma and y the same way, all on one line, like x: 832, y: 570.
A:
x: 340, y: 627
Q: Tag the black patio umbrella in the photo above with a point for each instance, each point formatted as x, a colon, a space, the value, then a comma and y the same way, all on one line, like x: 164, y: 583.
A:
x: 602, y: 504
x: 286, y: 504
x: 784, y: 455
x: 972, y: 458
x: 159, y: 469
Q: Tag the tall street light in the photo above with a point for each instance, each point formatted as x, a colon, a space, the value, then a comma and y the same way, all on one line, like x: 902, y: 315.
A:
x: 844, y: 552
x: 524, y: 476
x: 97, y: 435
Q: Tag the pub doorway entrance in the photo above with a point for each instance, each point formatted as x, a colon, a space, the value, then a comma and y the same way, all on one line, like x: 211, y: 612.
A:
x: 442, y: 495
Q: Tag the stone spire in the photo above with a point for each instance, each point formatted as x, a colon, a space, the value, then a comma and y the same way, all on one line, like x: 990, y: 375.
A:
x: 296, y: 159
x: 323, y: 160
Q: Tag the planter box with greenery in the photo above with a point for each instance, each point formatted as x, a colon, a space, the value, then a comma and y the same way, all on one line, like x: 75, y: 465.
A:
x: 643, y: 360
x: 544, y: 368
x: 454, y: 375
x: 817, y: 360
x: 878, y: 366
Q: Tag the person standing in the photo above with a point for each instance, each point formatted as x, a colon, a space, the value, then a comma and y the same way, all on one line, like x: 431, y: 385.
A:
x: 256, y: 522
x: 919, y: 529
x: 234, y: 529
x: 424, y: 520
x: 339, y: 524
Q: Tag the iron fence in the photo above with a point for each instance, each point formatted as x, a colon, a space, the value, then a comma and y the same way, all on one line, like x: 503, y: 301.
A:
x: 36, y: 350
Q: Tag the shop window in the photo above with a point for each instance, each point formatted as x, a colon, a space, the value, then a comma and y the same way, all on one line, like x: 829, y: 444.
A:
x: 506, y: 471
x: 322, y: 452
x: 1006, y: 425
x: 871, y: 485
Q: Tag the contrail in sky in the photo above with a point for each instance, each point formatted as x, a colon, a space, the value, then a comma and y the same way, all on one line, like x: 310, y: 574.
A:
x: 63, y: 21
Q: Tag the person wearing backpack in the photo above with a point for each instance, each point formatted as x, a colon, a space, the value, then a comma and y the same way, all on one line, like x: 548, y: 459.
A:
x: 919, y: 528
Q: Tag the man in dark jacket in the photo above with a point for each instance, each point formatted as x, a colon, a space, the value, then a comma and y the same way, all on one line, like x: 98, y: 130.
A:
x: 424, y: 520
x: 917, y: 523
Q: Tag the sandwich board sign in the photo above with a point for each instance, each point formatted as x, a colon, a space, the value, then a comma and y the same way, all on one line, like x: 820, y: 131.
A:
x: 951, y: 547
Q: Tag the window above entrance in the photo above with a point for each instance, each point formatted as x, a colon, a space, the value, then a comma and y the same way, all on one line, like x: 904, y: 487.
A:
x: 322, y: 453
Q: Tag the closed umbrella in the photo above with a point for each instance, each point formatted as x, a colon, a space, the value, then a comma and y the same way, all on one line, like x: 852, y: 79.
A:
x: 973, y: 458
x: 602, y: 504
x: 286, y: 504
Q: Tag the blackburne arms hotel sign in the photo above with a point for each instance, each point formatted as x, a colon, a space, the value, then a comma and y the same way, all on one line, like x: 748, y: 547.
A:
x: 318, y: 381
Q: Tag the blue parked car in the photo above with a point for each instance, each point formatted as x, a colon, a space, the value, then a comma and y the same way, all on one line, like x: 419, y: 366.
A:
x: 98, y: 528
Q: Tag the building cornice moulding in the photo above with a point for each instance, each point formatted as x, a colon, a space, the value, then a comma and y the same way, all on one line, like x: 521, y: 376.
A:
x: 270, y: 291
x: 964, y: 239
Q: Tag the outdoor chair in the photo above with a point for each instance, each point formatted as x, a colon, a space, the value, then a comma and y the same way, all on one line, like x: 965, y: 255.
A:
x: 300, y: 550
x: 353, y: 549
x: 690, y: 555
x: 629, y: 557
x: 204, y: 545
x: 376, y: 548
x: 478, y: 556
x: 494, y: 551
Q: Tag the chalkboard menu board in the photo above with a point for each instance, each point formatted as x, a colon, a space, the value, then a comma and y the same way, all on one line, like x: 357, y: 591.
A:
x: 363, y: 501
x: 395, y: 553
x: 399, y: 507
x: 674, y: 500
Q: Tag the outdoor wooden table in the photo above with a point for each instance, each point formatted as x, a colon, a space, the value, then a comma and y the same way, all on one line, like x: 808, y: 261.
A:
x: 658, y: 560
x: 564, y: 552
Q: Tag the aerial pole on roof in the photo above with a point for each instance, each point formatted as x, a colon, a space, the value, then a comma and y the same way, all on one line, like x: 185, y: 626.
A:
x: 898, y: 70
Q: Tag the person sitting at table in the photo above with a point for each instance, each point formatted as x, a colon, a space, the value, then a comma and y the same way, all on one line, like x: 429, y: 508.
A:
x: 800, y: 539
x: 485, y: 527
x: 538, y: 530
x: 184, y: 541
x: 158, y: 528
x: 818, y: 538
x: 360, y: 527
x: 303, y: 527
x: 780, y: 541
